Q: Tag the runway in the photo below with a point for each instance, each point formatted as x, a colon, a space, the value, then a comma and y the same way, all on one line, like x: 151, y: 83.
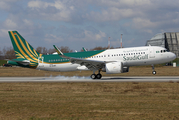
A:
x: 87, y: 79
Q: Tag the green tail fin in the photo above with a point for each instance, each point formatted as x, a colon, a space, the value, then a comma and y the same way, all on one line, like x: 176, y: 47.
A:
x: 23, y: 49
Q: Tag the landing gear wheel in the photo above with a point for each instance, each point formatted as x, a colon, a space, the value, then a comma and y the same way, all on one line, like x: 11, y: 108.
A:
x: 93, y: 76
x: 154, y: 72
x: 98, y: 76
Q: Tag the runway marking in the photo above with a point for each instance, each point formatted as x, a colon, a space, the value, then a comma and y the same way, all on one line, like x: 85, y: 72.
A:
x: 104, y: 79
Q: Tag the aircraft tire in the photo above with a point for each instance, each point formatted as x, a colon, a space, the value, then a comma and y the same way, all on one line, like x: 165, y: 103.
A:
x: 98, y: 76
x: 93, y: 76
x: 154, y: 72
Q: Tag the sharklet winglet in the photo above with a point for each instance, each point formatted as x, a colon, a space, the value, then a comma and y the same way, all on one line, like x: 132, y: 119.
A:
x: 58, y: 51
x: 84, y: 49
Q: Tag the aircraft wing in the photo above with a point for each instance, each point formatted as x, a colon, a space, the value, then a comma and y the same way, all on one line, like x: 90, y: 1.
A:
x: 90, y: 64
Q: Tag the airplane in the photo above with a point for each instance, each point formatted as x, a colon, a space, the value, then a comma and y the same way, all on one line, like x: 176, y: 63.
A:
x: 111, y: 61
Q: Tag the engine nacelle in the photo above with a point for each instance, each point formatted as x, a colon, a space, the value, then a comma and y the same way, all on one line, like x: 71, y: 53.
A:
x: 114, y: 68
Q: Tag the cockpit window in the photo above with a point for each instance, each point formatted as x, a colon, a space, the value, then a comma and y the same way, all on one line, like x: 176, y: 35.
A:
x: 162, y: 51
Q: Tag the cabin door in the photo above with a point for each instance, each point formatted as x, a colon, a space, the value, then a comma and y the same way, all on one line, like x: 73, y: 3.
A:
x: 151, y: 52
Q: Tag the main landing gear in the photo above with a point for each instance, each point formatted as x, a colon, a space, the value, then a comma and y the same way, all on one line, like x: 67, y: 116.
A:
x: 94, y: 76
x: 153, y: 72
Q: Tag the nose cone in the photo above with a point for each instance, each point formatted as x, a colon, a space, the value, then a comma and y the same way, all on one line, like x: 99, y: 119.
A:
x: 172, y: 56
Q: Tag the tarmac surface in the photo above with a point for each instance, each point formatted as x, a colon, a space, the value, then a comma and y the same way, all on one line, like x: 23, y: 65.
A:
x: 88, y: 79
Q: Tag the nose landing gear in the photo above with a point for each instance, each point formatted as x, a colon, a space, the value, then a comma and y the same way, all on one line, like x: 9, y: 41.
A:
x: 153, y: 72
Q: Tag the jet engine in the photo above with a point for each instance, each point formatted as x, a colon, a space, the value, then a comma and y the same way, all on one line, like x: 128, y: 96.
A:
x: 115, y: 67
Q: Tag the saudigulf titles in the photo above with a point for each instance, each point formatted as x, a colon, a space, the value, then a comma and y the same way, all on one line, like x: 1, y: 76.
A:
x: 136, y: 57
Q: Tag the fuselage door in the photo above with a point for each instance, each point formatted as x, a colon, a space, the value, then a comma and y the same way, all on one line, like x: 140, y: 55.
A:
x: 151, y: 52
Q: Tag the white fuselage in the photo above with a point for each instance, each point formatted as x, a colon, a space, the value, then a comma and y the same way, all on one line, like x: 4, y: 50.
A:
x: 136, y: 56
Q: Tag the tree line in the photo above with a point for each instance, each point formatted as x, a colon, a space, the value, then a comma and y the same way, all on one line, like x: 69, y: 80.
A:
x: 8, y: 52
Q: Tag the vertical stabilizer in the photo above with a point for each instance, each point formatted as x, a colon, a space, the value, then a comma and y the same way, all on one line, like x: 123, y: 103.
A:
x: 23, y: 49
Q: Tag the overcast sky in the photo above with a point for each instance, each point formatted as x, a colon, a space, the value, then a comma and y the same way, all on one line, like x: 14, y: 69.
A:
x: 87, y: 23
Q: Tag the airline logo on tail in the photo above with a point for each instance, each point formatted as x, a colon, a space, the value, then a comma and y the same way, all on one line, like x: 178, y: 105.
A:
x: 23, y: 50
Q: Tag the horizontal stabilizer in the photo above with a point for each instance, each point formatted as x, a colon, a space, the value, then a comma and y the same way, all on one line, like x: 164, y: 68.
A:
x: 22, y: 62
